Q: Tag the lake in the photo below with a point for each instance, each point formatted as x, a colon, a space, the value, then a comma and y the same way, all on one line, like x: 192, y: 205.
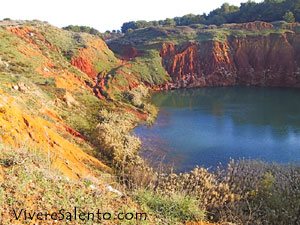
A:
x: 208, y: 126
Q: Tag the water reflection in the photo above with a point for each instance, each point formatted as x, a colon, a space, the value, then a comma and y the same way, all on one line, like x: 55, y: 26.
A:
x: 206, y: 126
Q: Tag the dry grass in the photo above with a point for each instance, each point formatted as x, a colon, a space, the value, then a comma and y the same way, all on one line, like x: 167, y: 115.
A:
x: 245, y: 192
x: 30, y: 184
x: 114, y: 137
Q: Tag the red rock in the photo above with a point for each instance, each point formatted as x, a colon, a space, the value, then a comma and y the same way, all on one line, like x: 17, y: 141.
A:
x: 129, y: 52
x: 85, y: 65
x: 270, y: 60
x: 251, y: 26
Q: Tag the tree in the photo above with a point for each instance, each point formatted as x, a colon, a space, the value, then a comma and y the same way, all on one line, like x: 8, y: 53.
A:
x: 187, y: 20
x: 225, y: 8
x: 94, y: 31
x: 249, y: 11
x: 218, y: 20
x: 155, y: 23
x: 289, y: 17
x: 128, y: 25
x: 128, y: 31
x: 169, y: 22
x: 85, y: 29
x: 141, y: 24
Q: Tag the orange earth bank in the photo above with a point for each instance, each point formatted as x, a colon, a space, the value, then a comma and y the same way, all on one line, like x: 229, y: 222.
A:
x: 20, y: 130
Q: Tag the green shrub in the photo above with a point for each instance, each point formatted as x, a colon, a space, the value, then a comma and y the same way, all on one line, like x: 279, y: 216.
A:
x: 114, y: 136
x: 245, y: 192
x: 176, y: 207
x: 137, y: 96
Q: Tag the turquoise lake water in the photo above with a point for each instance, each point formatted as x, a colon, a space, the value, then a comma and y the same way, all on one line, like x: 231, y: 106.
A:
x: 208, y: 126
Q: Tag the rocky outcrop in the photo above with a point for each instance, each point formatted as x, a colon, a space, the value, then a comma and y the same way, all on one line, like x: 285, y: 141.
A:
x: 85, y: 65
x: 129, y: 52
x: 270, y: 60
x: 252, y: 26
x: 94, y: 57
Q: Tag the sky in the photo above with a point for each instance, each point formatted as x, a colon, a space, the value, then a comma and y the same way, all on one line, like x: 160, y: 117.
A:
x: 104, y: 14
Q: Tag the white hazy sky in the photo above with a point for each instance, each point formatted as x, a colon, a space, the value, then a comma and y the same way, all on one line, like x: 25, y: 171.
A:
x: 104, y: 14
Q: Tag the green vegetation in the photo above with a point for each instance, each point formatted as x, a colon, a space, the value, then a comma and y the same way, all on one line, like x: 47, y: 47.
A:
x: 289, y: 17
x: 84, y: 118
x: 32, y: 186
x: 114, y: 138
x: 90, y: 30
x: 136, y: 96
x: 11, y: 60
x: 149, y: 68
x: 147, y: 42
x: 245, y: 192
x: 85, y: 29
x: 249, y: 11
x: 175, y: 208
x: 14, y: 63
x: 67, y: 42
x: 106, y: 60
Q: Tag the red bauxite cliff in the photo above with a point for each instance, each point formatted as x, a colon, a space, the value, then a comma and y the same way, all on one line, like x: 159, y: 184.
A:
x: 271, y: 60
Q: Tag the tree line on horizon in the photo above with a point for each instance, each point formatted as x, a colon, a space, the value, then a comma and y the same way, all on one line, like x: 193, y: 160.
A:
x: 90, y: 30
x: 267, y: 10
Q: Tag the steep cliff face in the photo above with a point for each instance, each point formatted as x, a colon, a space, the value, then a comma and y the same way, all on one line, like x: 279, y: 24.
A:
x: 199, y: 64
x: 53, y: 83
x: 19, y: 128
x: 255, y: 53
x: 50, y: 103
x: 271, y: 60
x: 94, y: 57
x: 40, y: 92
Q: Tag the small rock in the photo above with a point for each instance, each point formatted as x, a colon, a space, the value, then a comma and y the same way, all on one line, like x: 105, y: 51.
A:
x: 110, y: 188
x: 45, y: 69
